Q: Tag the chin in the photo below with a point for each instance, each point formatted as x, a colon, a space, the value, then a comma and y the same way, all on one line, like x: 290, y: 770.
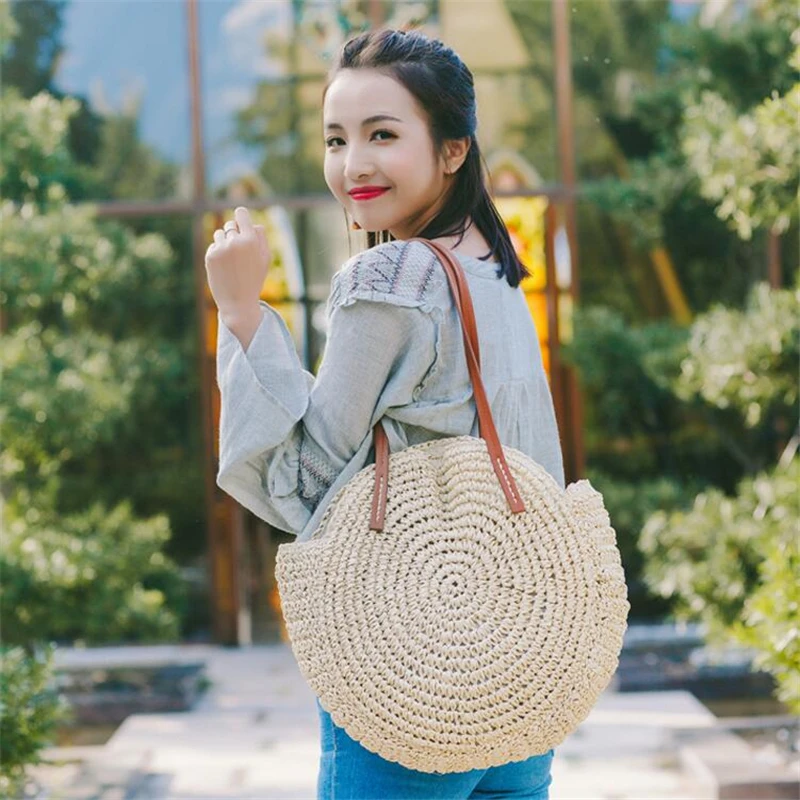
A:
x: 372, y: 227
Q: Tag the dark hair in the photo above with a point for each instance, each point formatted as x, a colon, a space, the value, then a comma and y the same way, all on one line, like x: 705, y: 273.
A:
x: 443, y: 86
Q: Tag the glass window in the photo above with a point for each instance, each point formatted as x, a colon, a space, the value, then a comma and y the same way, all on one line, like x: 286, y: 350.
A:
x: 262, y: 96
x: 515, y: 115
x: 129, y: 61
x: 616, y: 54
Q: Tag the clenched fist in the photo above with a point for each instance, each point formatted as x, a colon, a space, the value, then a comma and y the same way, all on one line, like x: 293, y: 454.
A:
x: 236, y: 265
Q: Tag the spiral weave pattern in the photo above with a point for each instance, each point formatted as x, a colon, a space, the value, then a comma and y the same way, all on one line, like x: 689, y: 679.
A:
x: 462, y: 636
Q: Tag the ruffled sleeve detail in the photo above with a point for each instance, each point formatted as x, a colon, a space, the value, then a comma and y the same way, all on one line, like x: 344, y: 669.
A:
x: 402, y: 273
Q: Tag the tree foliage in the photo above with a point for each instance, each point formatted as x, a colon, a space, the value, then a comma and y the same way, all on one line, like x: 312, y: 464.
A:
x: 733, y: 560
x: 674, y: 414
x: 682, y: 170
x: 733, y: 563
x: 748, y: 164
x: 30, y: 708
x: 80, y: 364
x: 747, y: 360
x: 97, y: 576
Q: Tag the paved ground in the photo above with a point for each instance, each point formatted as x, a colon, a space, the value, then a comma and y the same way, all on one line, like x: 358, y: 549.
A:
x: 254, y: 735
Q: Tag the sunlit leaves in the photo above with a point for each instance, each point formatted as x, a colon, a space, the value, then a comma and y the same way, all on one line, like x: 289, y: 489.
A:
x: 734, y: 563
x: 81, y: 358
x: 30, y: 708
x: 746, y: 360
x: 749, y: 164
x: 85, y: 576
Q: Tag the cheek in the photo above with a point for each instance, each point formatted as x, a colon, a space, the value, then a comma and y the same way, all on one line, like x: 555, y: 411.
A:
x: 333, y: 175
x: 407, y: 166
x: 401, y: 160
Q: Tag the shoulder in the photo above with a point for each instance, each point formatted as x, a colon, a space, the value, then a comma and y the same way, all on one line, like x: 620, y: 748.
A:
x: 401, y: 273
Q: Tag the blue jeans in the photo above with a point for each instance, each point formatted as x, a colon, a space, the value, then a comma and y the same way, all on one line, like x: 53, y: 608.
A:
x: 348, y: 771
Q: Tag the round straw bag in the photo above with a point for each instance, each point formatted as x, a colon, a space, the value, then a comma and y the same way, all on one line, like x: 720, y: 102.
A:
x: 456, y: 609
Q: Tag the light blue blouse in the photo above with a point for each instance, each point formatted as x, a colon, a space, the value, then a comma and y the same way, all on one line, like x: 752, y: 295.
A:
x: 289, y: 441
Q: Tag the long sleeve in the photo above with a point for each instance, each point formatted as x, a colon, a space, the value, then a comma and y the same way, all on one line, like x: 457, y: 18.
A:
x: 286, y: 436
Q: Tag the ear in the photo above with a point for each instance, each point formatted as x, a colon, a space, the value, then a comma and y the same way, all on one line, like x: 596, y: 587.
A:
x: 455, y: 153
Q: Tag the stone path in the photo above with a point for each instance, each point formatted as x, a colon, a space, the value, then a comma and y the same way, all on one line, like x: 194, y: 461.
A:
x: 254, y: 736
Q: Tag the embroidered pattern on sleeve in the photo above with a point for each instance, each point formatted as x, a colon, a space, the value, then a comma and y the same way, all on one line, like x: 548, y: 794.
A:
x: 315, y: 475
x: 404, y: 273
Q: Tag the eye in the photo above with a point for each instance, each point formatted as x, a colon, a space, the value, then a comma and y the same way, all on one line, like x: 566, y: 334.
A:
x: 333, y: 141
x: 387, y: 134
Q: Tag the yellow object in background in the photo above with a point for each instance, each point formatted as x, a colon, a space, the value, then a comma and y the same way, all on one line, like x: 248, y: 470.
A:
x: 525, y: 219
x: 276, y: 285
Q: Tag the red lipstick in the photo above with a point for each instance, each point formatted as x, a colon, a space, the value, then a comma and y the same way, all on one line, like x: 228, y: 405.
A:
x: 367, y: 192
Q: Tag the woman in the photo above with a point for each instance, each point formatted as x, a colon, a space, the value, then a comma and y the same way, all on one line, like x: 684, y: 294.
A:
x: 399, y: 121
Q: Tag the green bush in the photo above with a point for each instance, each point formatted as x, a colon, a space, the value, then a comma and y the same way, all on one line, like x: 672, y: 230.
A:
x: 622, y: 370
x: 746, y: 360
x: 748, y: 164
x: 97, y: 577
x: 30, y: 708
x: 635, y: 426
x: 646, y: 448
x: 770, y: 616
x: 734, y: 564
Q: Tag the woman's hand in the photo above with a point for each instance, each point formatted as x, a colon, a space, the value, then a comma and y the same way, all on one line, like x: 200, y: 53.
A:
x: 236, y: 265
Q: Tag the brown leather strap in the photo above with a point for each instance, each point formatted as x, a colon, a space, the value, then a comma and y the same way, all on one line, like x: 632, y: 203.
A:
x: 486, y: 427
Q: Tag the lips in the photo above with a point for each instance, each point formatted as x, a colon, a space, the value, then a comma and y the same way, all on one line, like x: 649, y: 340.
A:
x: 368, y: 192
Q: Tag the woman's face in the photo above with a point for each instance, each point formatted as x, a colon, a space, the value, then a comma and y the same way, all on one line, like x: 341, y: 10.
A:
x: 380, y: 162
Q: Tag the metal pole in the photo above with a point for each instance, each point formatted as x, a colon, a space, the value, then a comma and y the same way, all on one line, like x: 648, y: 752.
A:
x: 551, y: 295
x: 566, y: 153
x: 223, y: 547
x: 376, y: 13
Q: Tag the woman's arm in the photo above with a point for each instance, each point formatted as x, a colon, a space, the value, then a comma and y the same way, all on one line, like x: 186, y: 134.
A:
x: 285, y: 435
x: 244, y: 324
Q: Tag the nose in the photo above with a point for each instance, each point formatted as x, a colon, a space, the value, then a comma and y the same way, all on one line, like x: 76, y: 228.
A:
x: 357, y: 166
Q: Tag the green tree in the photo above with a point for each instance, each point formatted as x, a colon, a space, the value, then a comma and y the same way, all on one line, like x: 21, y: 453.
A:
x: 29, y: 64
x: 742, y: 60
x: 31, y: 55
x: 732, y: 560
x: 30, y: 708
x: 743, y: 365
x: 77, y: 359
x: 157, y: 460
x: 734, y: 563
x: 615, y: 48
x: 637, y: 75
x: 748, y: 164
x: 646, y: 448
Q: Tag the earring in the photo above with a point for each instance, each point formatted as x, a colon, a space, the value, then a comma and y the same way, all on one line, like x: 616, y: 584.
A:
x: 355, y: 226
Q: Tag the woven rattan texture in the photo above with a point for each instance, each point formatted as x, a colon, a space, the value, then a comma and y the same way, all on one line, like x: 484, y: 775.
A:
x: 462, y: 636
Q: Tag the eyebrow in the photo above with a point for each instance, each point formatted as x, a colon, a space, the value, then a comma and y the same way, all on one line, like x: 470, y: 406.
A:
x: 335, y: 126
